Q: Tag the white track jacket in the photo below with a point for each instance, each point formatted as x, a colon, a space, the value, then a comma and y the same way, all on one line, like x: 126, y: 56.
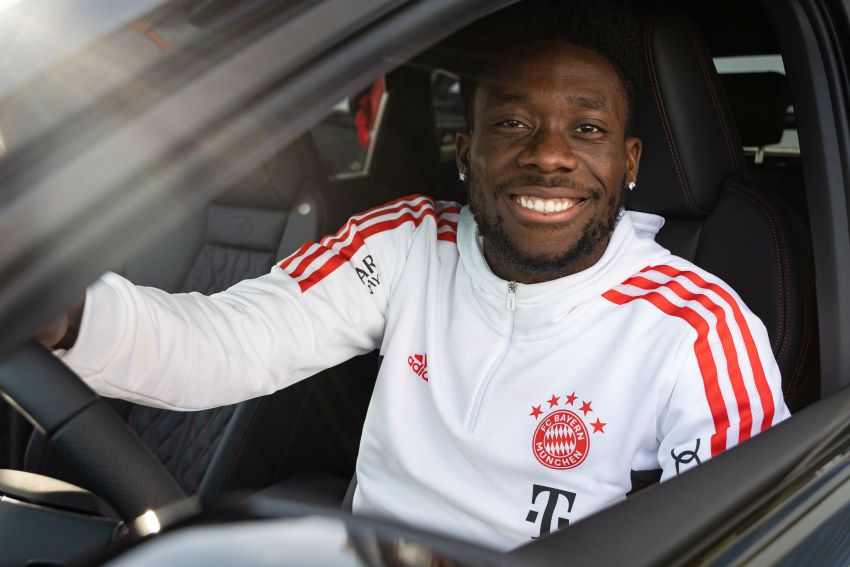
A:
x: 502, y: 411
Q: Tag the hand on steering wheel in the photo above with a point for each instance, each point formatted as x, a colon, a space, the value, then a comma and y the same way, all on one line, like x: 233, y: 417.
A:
x: 115, y: 463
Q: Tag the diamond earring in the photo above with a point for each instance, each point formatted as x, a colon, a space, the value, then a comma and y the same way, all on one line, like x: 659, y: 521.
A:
x: 461, y: 175
x: 631, y: 185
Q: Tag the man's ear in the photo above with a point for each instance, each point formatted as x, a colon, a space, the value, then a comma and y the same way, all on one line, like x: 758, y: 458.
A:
x: 633, y: 149
x: 462, y: 144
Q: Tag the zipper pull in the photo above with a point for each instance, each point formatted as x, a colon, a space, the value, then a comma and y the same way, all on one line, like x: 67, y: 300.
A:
x: 512, y: 296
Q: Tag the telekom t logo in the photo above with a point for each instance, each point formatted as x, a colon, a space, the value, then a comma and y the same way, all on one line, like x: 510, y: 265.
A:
x: 558, y: 502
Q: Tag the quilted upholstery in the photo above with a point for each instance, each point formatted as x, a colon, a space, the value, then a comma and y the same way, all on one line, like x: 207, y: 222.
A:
x: 238, y: 236
x: 183, y: 441
x: 244, y: 229
x: 219, y: 267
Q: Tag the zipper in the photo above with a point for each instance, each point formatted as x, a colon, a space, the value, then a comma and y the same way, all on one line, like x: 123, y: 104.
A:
x: 512, y: 296
x: 482, y: 387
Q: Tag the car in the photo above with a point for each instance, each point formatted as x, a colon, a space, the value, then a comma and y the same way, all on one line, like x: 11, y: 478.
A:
x: 191, y: 144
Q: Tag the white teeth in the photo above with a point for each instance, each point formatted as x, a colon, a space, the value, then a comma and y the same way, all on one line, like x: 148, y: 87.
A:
x: 544, y: 205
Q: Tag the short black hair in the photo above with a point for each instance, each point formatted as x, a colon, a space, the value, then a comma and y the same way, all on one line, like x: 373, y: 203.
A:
x: 606, y: 27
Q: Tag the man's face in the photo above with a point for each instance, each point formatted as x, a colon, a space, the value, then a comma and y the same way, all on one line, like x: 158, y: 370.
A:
x: 547, y: 161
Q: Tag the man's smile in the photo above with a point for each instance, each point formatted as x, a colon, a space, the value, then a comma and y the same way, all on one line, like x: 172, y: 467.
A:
x: 544, y: 209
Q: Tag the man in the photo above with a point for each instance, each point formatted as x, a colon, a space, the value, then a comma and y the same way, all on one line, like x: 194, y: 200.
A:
x: 540, y: 349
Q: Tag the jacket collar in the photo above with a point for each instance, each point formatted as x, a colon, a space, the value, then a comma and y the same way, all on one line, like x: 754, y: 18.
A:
x: 631, y: 248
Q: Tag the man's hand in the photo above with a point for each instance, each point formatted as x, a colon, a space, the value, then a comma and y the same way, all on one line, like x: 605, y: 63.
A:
x: 62, y: 331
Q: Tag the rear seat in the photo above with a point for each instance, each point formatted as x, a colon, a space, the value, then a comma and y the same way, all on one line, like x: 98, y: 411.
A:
x: 759, y: 104
x: 312, y: 427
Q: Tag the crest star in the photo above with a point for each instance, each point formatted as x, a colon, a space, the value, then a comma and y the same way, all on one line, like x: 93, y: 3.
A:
x: 553, y: 401
x: 585, y: 407
x: 535, y: 411
x: 571, y: 398
x: 598, y: 426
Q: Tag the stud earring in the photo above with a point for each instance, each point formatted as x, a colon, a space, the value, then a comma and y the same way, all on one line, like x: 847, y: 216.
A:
x: 461, y: 175
x: 631, y: 185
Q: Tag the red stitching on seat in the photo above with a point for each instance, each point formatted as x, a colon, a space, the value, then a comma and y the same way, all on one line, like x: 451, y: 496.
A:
x: 780, y: 248
x: 664, y: 126
x: 721, y: 116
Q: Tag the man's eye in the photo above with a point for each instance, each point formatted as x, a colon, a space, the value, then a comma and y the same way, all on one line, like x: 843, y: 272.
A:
x: 511, y: 124
x: 589, y: 129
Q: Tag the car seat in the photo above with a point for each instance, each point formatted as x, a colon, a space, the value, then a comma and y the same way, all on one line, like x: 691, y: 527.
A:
x: 313, y: 425
x: 693, y: 172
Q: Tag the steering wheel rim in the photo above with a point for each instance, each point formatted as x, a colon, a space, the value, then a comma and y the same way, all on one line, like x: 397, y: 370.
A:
x: 111, y: 458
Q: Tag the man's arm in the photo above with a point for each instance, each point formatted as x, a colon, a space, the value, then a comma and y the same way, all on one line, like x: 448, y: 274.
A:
x: 728, y: 388
x: 323, y: 305
x: 190, y: 351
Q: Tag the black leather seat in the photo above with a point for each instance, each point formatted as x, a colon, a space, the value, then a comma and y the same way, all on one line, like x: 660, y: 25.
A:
x: 693, y: 172
x: 313, y: 426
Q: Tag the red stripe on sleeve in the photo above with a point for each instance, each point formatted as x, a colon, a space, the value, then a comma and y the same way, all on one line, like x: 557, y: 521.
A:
x: 765, y: 394
x: 304, y: 247
x: 354, y: 223
x: 359, y: 220
x: 742, y: 399
x: 705, y: 360
x: 345, y: 253
x: 380, y: 209
x: 354, y: 229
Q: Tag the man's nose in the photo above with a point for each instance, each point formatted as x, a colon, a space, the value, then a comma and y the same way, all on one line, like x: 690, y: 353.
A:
x: 549, y: 149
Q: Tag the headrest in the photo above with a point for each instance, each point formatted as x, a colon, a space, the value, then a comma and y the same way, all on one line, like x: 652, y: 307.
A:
x: 278, y: 182
x: 690, y: 143
x: 759, y: 104
x: 406, y: 151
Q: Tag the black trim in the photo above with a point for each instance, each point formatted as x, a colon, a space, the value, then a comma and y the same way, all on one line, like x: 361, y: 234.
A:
x: 644, y: 479
x: 813, y: 60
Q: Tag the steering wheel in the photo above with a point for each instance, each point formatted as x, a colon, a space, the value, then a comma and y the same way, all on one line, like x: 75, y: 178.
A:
x: 115, y: 463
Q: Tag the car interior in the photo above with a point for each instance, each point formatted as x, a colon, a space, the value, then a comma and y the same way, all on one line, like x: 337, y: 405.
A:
x: 720, y: 163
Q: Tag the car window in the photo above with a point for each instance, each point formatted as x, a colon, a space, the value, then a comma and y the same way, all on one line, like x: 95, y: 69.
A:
x: 346, y: 137
x: 118, y: 56
x: 449, y: 115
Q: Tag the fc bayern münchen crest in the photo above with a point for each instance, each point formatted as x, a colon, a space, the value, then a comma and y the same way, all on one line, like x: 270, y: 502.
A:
x: 561, y: 439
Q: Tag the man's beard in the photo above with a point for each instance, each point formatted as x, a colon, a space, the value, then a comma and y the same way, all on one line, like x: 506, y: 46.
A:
x: 498, y: 242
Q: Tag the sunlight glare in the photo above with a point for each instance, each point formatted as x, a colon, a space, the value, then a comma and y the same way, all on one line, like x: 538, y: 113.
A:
x: 6, y: 4
x: 150, y: 522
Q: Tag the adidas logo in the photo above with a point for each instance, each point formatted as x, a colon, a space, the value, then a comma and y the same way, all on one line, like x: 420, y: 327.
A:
x: 419, y: 364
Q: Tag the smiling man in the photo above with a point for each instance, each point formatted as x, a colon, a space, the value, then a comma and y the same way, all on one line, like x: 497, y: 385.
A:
x: 543, y: 356
x: 547, y: 160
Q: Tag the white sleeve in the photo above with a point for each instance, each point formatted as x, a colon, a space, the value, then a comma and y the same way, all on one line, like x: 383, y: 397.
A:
x: 323, y: 305
x: 728, y: 389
